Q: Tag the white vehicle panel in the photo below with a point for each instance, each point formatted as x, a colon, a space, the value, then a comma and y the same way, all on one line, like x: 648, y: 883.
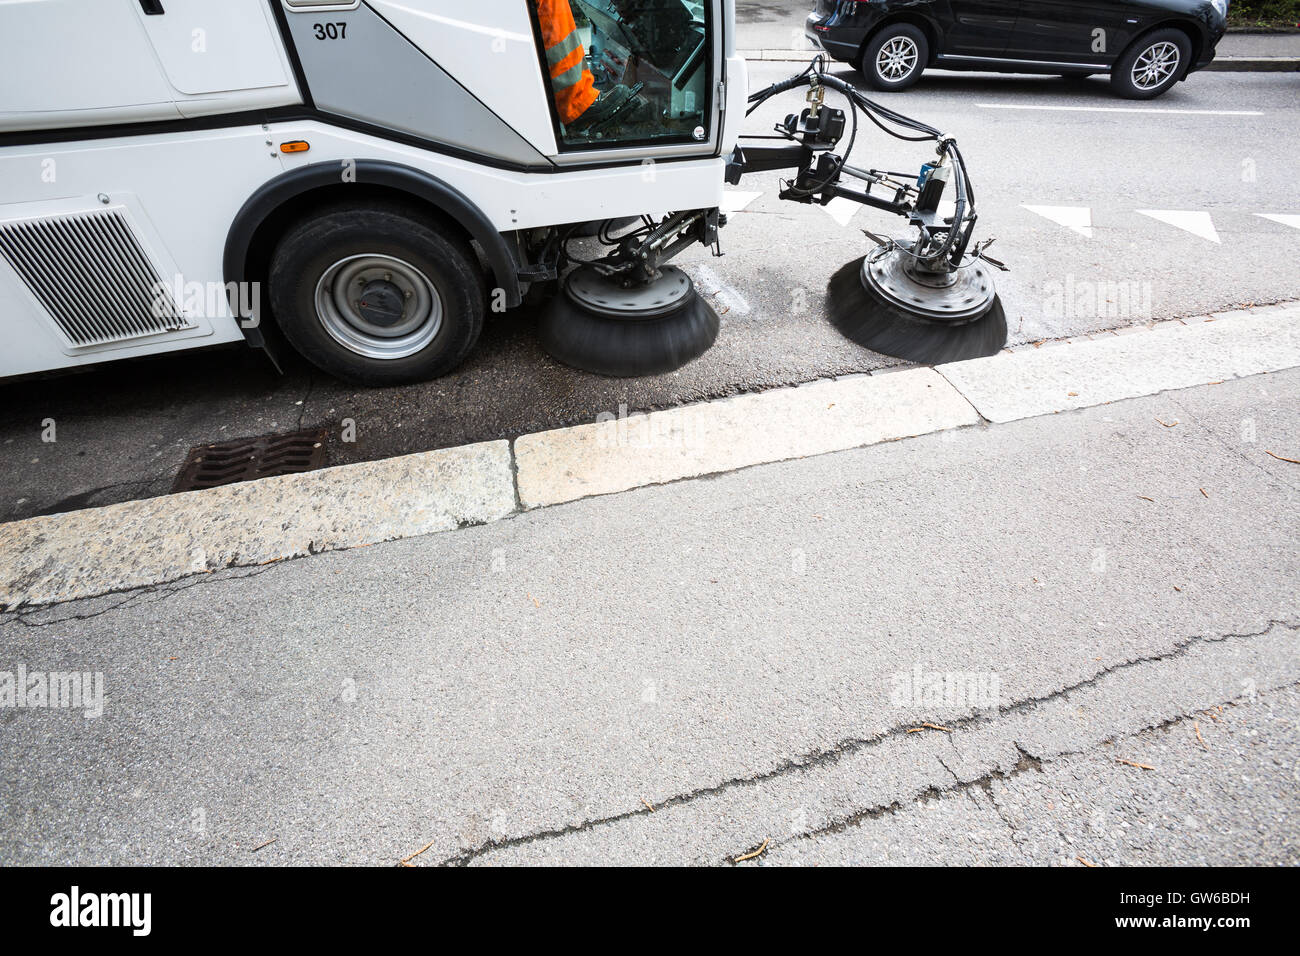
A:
x: 189, y: 187
x: 489, y: 47
x: 221, y: 57
x: 45, y: 46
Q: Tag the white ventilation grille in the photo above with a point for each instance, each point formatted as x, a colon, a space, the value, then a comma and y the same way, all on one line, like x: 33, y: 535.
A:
x: 93, y: 277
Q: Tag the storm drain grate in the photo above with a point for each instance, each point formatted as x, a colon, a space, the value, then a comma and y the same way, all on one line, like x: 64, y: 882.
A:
x: 244, y: 459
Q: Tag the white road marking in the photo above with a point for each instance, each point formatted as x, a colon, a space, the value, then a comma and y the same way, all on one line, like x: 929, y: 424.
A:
x: 1075, y: 218
x: 1116, y: 109
x: 1197, y: 223
x: 842, y: 210
x: 1285, y: 219
x: 711, y: 284
x: 734, y: 200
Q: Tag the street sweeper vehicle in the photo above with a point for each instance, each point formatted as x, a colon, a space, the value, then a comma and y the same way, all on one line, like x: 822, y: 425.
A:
x: 366, y: 181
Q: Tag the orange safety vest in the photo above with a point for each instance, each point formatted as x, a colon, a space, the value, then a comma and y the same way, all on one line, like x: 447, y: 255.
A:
x: 575, y: 87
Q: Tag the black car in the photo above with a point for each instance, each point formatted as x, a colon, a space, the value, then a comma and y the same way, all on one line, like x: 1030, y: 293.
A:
x: 1145, y: 45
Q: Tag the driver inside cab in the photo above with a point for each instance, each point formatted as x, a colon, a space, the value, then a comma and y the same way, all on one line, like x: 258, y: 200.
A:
x: 581, y: 107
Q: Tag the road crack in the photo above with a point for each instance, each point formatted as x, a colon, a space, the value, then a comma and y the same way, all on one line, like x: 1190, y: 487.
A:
x: 821, y: 757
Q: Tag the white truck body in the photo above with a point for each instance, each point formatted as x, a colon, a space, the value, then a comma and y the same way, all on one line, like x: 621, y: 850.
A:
x: 140, y: 151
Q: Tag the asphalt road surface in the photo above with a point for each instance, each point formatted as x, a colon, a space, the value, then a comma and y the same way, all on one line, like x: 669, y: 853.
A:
x: 1097, y: 614
x: 1219, y: 152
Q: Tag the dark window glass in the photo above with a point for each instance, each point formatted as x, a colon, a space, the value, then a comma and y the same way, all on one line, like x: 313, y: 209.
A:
x: 627, y: 71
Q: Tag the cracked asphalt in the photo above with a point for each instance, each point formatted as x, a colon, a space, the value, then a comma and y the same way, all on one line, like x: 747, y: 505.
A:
x: 936, y: 650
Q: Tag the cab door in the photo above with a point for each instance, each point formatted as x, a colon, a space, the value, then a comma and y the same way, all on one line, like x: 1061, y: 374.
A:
x: 1080, y: 32
x: 980, y: 28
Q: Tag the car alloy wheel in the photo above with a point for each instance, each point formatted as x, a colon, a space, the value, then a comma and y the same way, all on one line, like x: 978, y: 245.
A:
x: 897, y: 59
x: 1156, y: 65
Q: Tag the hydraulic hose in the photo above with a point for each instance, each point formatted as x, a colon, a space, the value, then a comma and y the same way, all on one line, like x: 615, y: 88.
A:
x: 880, y: 115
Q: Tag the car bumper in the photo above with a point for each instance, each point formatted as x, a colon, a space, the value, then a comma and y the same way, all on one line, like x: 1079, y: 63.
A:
x: 839, y: 43
x: 1211, y: 46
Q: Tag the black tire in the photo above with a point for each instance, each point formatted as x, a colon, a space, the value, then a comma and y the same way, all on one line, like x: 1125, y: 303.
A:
x: 1122, y: 80
x: 366, y: 239
x: 913, y: 43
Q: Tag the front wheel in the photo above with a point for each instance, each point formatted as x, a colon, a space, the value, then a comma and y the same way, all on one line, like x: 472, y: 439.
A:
x: 895, y: 57
x: 376, y: 295
x: 1152, y: 65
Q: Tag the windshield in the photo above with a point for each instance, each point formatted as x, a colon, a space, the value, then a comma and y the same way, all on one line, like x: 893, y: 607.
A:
x: 625, y: 71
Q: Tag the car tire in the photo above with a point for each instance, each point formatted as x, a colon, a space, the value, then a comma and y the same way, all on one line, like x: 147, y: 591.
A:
x: 895, y: 57
x: 1152, y: 64
x: 424, y: 294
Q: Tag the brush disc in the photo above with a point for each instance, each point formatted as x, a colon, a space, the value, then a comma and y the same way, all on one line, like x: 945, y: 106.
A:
x: 882, y: 308
x: 596, y: 325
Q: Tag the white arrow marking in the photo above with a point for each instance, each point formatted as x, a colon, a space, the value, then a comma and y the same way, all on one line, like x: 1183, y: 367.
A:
x: 1075, y: 218
x: 1197, y: 223
x: 1284, y: 218
x: 734, y: 200
x: 841, y: 209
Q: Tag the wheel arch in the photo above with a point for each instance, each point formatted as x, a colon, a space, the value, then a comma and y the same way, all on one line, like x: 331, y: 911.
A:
x: 1187, y: 27
x: 933, y: 34
x: 280, y: 202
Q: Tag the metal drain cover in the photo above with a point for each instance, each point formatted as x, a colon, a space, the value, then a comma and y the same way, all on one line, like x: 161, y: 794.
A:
x: 244, y: 459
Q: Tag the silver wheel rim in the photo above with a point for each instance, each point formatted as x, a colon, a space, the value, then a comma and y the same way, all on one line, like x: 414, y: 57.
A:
x: 1156, y: 65
x: 338, y: 307
x: 897, y: 58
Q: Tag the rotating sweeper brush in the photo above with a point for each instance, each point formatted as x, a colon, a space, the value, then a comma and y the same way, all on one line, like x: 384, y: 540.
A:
x: 599, y: 324
x: 930, y: 298
x: 629, y: 313
x: 889, y: 303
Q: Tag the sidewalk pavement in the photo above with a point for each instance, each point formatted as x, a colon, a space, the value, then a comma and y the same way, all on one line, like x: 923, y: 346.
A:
x: 1260, y: 44
x: 1051, y: 635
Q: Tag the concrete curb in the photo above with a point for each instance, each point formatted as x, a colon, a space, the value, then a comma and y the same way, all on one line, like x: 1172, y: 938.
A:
x: 142, y: 543
x: 1254, y: 64
x: 136, y: 544
x: 713, y: 437
x: 1223, y: 64
x: 1011, y: 386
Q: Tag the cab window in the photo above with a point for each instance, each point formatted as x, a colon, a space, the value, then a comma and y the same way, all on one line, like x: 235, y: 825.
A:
x: 626, y: 71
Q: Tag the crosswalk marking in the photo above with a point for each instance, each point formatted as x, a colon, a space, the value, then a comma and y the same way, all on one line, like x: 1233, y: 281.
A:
x: 1075, y: 218
x: 1196, y: 222
x: 734, y: 200
x: 841, y: 209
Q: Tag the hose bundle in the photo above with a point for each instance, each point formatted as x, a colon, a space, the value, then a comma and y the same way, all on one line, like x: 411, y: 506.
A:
x: 891, y: 122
